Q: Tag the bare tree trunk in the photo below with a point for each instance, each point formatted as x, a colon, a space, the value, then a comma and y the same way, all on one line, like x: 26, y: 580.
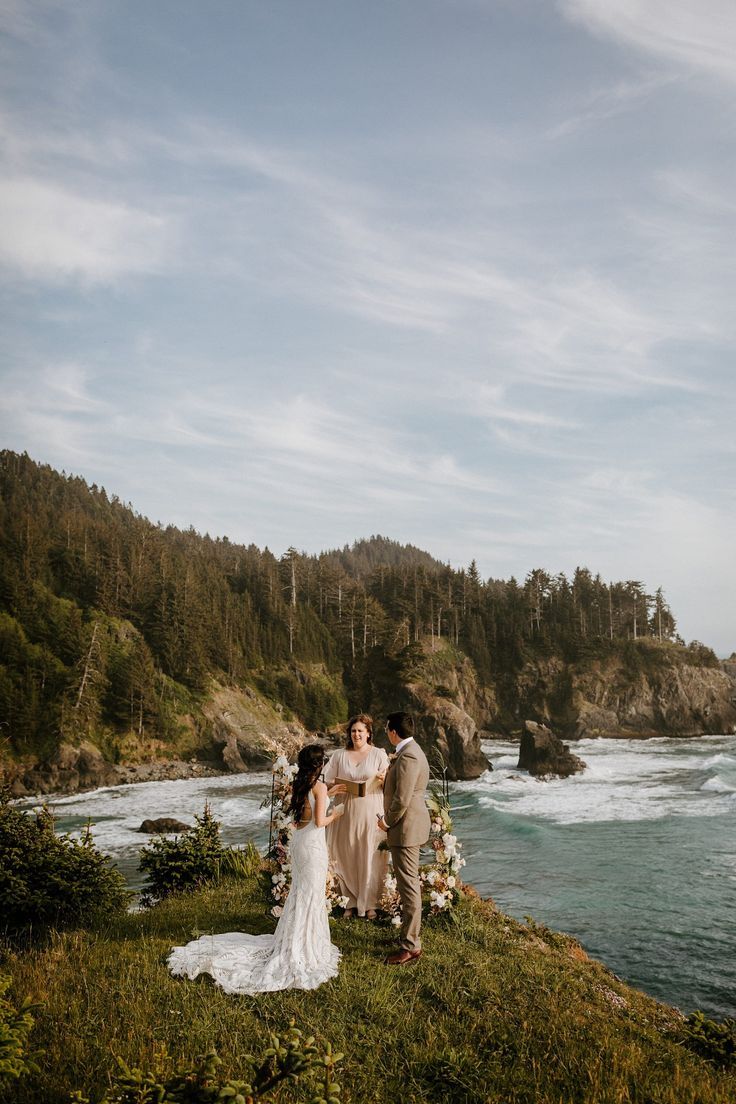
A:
x: 87, y: 665
x: 610, y: 612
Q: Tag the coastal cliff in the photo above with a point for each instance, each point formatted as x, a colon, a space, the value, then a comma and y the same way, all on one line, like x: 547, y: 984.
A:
x: 234, y: 730
x: 652, y: 692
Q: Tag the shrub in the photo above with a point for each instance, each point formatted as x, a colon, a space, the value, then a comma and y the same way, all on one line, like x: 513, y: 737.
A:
x: 284, y: 1060
x: 15, y: 1027
x: 193, y: 859
x: 183, y: 863
x: 710, y: 1039
x: 47, y: 880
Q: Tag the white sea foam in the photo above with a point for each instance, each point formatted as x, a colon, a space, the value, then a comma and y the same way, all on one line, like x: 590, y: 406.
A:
x: 117, y: 812
x: 625, y: 780
x: 720, y: 760
x: 718, y: 785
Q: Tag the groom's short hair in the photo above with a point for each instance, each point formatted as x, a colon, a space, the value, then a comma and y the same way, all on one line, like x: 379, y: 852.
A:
x: 402, y: 724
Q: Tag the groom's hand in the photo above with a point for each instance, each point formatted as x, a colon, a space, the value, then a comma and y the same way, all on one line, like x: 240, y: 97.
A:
x: 382, y: 824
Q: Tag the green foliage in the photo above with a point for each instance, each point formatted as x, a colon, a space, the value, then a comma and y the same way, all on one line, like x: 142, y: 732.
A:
x: 15, y: 1027
x: 711, y: 1039
x: 242, y: 862
x: 193, y: 859
x: 285, y: 1060
x: 700, y: 655
x: 183, y: 863
x: 48, y: 880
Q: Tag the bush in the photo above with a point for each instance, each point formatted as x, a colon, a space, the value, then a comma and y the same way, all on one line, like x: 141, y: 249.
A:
x: 47, y: 880
x: 15, y: 1027
x: 183, y: 863
x: 193, y: 859
x: 712, y: 1040
x: 284, y: 1060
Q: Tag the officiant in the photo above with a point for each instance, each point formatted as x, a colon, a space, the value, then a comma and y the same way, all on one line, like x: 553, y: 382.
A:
x: 360, y: 868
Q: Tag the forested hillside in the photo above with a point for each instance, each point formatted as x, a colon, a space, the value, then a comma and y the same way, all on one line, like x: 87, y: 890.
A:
x: 111, y: 625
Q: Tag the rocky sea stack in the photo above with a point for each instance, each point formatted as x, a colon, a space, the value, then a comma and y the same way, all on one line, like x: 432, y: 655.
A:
x: 544, y: 755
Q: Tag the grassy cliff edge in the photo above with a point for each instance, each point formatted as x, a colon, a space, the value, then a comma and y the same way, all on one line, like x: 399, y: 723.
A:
x: 495, y: 1011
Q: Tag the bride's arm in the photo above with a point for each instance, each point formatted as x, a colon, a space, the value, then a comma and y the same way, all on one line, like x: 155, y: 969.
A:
x: 321, y: 819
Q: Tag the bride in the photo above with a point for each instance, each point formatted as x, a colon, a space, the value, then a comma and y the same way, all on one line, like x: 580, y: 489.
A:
x: 299, y: 954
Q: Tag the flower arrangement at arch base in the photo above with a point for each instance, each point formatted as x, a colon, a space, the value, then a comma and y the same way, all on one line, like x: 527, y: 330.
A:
x: 441, y: 884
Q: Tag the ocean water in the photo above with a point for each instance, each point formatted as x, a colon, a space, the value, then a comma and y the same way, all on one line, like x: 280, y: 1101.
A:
x: 636, y: 857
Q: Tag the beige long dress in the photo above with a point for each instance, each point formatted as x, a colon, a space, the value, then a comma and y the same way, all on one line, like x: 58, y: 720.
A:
x: 352, y: 841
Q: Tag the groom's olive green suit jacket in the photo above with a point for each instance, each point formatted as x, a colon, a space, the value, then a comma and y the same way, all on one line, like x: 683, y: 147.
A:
x: 406, y: 813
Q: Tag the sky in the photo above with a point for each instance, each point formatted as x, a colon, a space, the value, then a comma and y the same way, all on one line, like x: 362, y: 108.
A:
x: 458, y: 272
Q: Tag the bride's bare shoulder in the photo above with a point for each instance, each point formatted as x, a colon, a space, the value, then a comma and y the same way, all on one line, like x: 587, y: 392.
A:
x: 319, y: 786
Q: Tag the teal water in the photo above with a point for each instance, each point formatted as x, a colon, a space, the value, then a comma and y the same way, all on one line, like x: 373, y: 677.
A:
x: 636, y: 857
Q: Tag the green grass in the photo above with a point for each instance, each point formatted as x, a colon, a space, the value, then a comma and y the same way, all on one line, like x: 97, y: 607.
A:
x: 494, y: 1011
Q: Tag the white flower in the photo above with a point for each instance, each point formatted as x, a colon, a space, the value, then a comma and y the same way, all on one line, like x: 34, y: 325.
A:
x: 438, y: 900
x: 276, y: 910
x: 451, y: 882
x: 431, y: 877
x: 343, y: 902
x: 281, y: 764
x: 328, y: 904
x: 396, y: 921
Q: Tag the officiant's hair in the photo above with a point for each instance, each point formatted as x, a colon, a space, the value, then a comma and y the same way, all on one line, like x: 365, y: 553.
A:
x: 310, y: 761
x: 402, y: 724
x: 360, y: 718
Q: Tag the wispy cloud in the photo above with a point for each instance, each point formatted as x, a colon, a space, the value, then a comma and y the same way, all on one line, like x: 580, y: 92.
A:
x: 608, y: 103
x: 52, y: 234
x: 699, y: 35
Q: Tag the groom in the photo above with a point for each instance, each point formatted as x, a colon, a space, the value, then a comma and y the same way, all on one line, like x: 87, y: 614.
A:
x: 406, y: 820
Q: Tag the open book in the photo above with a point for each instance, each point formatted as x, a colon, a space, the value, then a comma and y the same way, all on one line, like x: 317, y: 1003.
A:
x: 356, y: 789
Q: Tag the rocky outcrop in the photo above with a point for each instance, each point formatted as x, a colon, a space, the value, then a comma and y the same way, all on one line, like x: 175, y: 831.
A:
x: 163, y: 825
x: 443, y: 695
x: 544, y: 755
x: 246, y: 731
x: 609, y: 698
x: 450, y: 736
x: 675, y: 700
x: 69, y: 769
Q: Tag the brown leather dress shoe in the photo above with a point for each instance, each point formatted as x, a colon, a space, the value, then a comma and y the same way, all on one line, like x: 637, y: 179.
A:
x: 401, y: 957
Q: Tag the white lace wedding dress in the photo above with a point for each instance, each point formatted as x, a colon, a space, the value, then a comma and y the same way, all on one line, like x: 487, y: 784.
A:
x: 299, y: 954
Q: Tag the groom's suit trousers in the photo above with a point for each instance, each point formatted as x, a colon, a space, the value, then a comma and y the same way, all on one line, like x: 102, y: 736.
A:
x: 406, y: 870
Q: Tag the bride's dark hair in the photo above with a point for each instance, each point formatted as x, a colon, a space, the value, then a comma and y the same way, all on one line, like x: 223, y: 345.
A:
x: 311, y: 760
